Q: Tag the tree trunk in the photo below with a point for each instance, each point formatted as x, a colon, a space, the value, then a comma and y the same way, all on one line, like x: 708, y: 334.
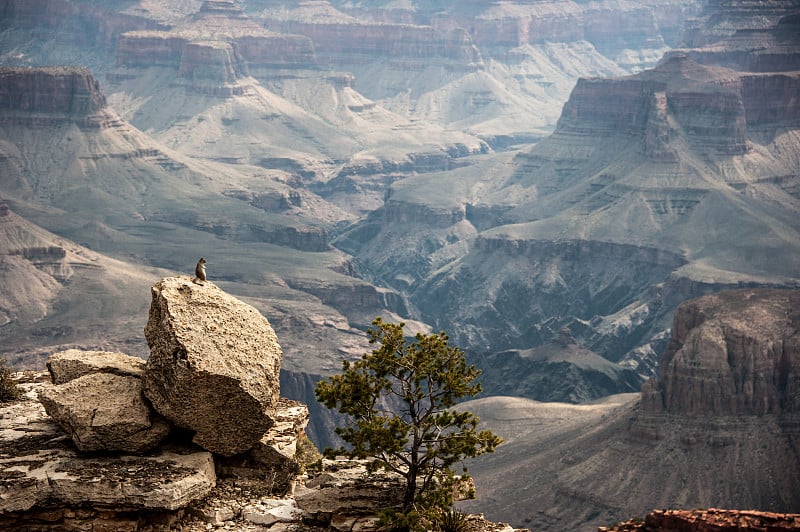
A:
x: 411, y: 490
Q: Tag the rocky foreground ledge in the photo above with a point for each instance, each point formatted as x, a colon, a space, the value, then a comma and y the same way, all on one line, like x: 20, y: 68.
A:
x: 47, y: 484
x: 196, y: 438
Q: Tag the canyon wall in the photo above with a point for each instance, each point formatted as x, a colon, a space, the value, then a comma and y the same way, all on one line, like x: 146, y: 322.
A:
x: 718, y: 429
x: 68, y: 92
x: 732, y: 353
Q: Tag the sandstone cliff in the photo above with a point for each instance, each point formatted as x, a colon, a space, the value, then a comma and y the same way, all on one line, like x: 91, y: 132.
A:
x: 42, y: 97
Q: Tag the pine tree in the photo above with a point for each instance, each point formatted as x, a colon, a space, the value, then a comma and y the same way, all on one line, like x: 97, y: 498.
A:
x: 400, y: 401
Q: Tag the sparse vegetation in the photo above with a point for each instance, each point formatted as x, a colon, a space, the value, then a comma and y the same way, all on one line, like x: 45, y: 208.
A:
x: 9, y: 391
x: 400, y: 400
x: 452, y: 520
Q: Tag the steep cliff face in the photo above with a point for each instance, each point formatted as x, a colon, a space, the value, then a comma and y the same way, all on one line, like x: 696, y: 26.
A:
x: 47, y: 95
x: 706, y: 103
x: 732, y: 353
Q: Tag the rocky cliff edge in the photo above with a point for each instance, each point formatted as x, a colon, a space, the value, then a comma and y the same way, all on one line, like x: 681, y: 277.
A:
x: 198, y: 437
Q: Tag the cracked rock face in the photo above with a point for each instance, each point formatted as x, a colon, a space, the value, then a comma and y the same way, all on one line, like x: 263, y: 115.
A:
x: 214, y: 364
x: 67, y: 365
x: 732, y: 353
x: 39, y: 467
x: 105, y: 412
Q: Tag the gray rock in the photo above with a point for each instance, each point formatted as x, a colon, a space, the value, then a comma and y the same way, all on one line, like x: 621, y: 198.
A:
x: 267, y: 512
x: 345, y: 489
x: 276, y: 454
x: 73, y: 363
x: 38, y: 468
x: 214, y: 364
x: 105, y: 412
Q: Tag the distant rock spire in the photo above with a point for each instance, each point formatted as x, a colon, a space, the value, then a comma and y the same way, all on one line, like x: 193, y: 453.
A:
x: 565, y: 337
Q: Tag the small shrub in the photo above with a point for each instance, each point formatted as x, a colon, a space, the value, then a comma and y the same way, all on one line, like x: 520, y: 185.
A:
x: 9, y: 391
x: 452, y: 520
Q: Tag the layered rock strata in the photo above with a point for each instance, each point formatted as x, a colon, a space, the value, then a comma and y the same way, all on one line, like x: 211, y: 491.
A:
x: 707, y: 104
x: 43, y: 96
x: 41, y: 471
x: 732, y: 353
x: 211, y: 355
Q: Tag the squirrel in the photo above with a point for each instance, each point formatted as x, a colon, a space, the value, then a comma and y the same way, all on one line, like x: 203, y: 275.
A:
x: 200, y: 271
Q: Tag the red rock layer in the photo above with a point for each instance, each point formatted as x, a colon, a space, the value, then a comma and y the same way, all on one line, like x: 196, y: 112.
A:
x: 711, y: 520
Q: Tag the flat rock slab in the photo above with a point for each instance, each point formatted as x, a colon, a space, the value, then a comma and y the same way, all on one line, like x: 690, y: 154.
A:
x: 344, y: 488
x: 65, y: 366
x: 105, y: 412
x: 62, y: 477
x: 40, y: 467
x: 214, y: 364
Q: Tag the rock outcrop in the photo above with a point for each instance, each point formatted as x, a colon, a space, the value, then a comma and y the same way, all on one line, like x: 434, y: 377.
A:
x: 105, y: 412
x: 47, y: 482
x: 720, y: 428
x: 48, y: 485
x: 705, y: 102
x: 731, y: 353
x: 42, y: 97
x: 211, y: 355
x: 711, y: 520
x: 97, y: 399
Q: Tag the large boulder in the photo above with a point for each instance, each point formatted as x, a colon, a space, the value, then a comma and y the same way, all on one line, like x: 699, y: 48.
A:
x: 214, y: 364
x: 67, y: 365
x: 105, y: 412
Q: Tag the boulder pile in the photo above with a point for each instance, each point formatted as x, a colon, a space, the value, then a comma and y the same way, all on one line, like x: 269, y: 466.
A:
x: 112, y: 440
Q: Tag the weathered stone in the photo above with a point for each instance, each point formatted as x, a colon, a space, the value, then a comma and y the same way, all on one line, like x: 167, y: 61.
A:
x: 105, y: 412
x: 276, y: 454
x: 345, y: 489
x: 217, y: 514
x: 73, y: 363
x: 732, y: 353
x: 270, y: 511
x: 39, y: 467
x: 214, y: 364
x: 709, y: 520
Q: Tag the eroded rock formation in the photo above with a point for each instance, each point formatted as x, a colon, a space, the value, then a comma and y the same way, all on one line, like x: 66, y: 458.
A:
x: 720, y: 428
x: 43, y: 474
x: 731, y: 353
x: 211, y: 355
x: 45, y: 96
